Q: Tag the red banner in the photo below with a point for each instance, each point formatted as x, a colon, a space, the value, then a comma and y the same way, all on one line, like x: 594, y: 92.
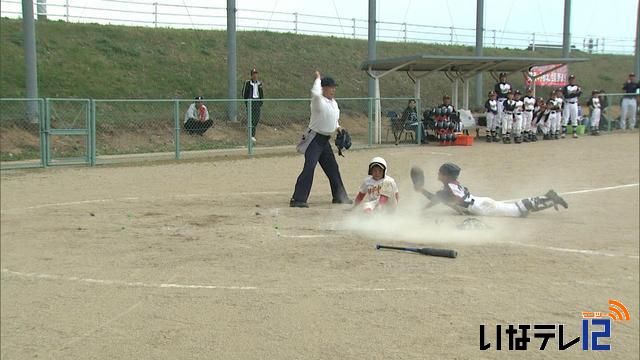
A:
x: 557, y: 77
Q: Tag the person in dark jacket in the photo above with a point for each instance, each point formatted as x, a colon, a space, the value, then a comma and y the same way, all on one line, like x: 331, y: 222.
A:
x: 252, y: 89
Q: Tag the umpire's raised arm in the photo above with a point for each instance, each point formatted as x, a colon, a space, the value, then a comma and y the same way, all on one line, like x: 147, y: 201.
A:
x: 322, y: 124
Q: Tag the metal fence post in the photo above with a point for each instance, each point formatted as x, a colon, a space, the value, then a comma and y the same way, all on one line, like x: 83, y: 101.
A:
x: 249, y: 126
x: 295, y: 22
x: 533, y: 42
x: 451, y: 34
x: 494, y: 38
x: 47, y: 127
x: 420, y: 125
x: 370, y: 123
x: 155, y: 14
x: 43, y: 135
x: 92, y: 133
x: 353, y: 20
x: 609, y: 120
x: 405, y: 32
x: 176, y: 116
x: 66, y: 10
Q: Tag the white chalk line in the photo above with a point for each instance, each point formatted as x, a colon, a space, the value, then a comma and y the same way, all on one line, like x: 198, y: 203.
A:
x: 590, y: 190
x: 135, y: 198
x: 138, y: 284
x: 578, y: 251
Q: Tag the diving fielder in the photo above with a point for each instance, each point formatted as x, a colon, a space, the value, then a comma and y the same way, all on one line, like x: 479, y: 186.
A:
x: 458, y: 197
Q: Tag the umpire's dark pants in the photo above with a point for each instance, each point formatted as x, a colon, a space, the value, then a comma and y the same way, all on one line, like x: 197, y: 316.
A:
x: 319, y: 151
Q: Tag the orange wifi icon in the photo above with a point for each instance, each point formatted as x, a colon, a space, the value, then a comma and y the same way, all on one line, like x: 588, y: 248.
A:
x: 618, y: 310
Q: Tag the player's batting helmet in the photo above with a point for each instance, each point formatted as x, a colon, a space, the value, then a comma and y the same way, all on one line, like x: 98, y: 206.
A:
x: 450, y: 169
x: 378, y: 161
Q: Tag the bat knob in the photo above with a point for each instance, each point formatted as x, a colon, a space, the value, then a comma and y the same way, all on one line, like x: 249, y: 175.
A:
x: 377, y: 246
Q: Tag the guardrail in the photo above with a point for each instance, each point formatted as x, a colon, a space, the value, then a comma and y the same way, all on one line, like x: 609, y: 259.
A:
x: 158, y: 14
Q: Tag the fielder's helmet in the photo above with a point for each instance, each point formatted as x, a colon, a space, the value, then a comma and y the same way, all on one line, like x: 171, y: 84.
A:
x: 502, y: 75
x: 492, y: 93
x: 517, y: 92
x: 572, y: 76
x: 450, y: 169
x: 378, y: 161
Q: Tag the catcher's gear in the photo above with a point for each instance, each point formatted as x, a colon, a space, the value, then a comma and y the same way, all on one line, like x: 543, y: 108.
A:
x: 450, y: 169
x: 343, y: 141
x: 551, y: 198
x: 378, y: 161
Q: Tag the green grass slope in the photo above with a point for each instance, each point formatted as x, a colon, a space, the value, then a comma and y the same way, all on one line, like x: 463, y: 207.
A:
x: 103, y: 61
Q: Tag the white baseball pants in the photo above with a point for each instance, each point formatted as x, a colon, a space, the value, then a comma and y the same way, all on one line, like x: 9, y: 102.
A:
x: 628, y: 110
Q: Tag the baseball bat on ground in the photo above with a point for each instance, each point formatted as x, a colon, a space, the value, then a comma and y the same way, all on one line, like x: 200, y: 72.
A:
x: 424, y: 251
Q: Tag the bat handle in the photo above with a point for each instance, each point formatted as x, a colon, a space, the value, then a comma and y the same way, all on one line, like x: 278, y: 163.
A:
x: 378, y: 247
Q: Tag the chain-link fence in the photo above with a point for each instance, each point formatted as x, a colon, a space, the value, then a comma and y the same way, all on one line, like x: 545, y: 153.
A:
x: 20, y: 132
x: 43, y: 132
x: 618, y: 111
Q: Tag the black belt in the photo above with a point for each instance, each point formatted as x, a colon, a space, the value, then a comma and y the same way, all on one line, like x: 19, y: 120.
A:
x: 509, y: 112
x: 518, y: 113
x: 552, y: 112
x: 528, y: 110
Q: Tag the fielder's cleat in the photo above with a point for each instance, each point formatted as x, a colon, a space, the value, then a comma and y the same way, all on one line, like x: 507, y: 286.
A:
x: 298, y: 204
x: 488, y: 138
x: 575, y: 136
x: 563, y: 135
x: 342, y: 201
x: 253, y: 139
x: 557, y: 199
x: 556, y: 137
x: 496, y: 139
x: 526, y: 138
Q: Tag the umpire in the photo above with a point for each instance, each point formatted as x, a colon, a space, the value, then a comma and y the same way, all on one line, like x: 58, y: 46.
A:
x: 323, y: 123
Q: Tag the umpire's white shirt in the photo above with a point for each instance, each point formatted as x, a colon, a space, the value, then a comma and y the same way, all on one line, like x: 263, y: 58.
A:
x: 324, y: 112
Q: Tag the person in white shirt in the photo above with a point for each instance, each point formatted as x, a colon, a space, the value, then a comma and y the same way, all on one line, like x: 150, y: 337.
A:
x: 196, y: 119
x: 252, y: 89
x: 379, y: 191
x: 528, y: 122
x: 323, y: 123
x: 596, y: 109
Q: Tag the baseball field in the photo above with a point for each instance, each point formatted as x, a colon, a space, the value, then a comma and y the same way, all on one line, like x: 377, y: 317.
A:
x: 205, y: 260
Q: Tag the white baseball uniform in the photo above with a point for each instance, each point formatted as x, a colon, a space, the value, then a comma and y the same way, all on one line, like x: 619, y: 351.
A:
x: 373, y: 189
x: 527, y: 115
x: 570, y: 111
x: 482, y: 206
x: 596, y: 108
x: 491, y: 107
x: 517, y: 117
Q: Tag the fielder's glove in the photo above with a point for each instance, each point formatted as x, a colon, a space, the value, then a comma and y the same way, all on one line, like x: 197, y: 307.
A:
x: 343, y: 141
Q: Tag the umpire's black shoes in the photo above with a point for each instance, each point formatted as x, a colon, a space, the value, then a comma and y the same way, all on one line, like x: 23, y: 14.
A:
x: 298, y: 204
x: 342, y: 201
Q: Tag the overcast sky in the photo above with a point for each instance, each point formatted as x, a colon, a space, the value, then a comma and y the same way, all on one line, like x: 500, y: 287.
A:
x: 615, y: 18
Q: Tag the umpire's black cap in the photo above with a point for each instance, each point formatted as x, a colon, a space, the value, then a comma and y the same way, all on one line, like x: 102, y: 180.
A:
x: 199, y: 98
x: 327, y: 81
x: 450, y: 169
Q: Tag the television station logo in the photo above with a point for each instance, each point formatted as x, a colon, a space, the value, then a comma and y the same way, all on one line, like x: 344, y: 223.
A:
x: 595, y: 325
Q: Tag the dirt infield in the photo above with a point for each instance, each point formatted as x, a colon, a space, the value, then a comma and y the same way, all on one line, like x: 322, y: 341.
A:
x: 204, y: 260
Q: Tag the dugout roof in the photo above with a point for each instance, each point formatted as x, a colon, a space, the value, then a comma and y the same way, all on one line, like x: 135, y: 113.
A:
x: 467, y: 66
